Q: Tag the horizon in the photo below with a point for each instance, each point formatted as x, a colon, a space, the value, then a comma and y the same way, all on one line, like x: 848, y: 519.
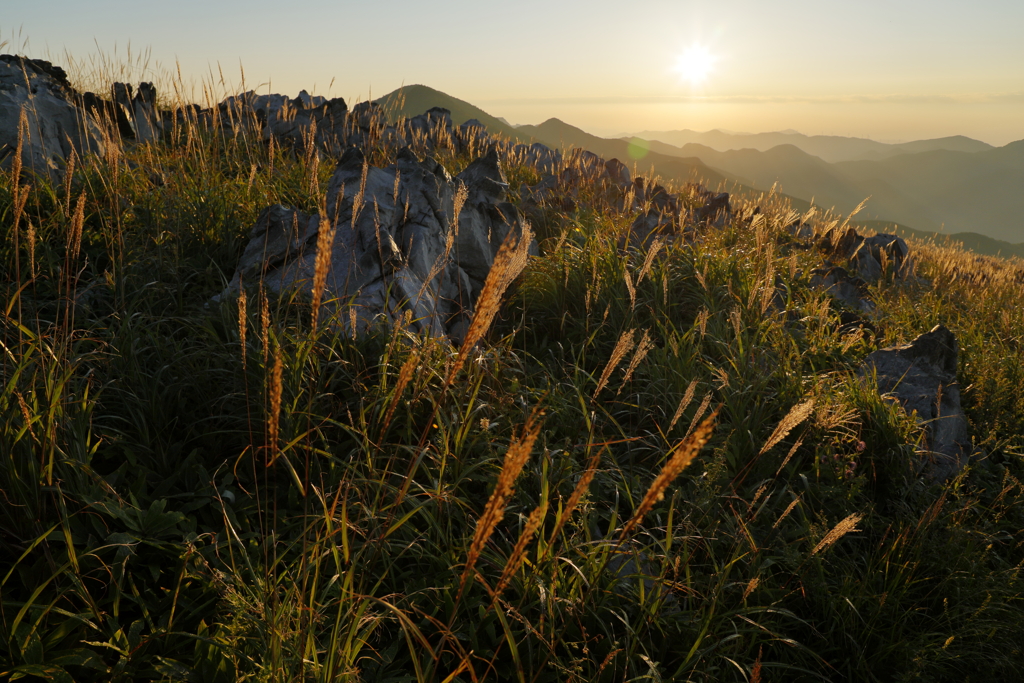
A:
x: 893, y: 73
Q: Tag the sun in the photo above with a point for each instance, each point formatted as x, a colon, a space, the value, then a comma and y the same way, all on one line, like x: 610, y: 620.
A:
x: 696, y: 64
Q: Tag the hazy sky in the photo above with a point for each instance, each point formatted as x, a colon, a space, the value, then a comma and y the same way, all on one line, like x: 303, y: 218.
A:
x: 886, y: 69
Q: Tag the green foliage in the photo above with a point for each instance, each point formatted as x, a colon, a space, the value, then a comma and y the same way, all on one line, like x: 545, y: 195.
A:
x: 152, y: 530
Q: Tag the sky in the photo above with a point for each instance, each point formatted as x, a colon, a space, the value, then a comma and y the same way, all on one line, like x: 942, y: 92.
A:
x: 892, y: 70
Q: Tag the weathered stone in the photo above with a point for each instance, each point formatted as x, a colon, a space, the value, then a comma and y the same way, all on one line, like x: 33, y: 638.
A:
x: 716, y: 209
x: 618, y: 173
x: 55, y: 125
x: 838, y: 283
x: 646, y: 227
x: 394, y: 247
x: 922, y: 376
x: 879, y: 253
x: 867, y: 266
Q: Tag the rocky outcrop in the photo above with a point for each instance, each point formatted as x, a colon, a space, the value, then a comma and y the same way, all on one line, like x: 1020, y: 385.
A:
x: 395, y: 246
x: 922, y: 377
x: 55, y: 126
x: 289, y: 120
x: 838, y: 283
x: 714, y: 210
x: 869, y: 257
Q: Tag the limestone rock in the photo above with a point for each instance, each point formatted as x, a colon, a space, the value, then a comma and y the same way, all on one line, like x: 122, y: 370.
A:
x: 56, y: 126
x: 618, y: 173
x: 716, y: 210
x: 841, y: 285
x: 880, y: 253
x: 922, y: 376
x: 394, y: 247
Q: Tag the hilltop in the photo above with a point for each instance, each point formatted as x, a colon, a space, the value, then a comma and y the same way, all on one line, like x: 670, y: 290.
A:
x: 296, y: 391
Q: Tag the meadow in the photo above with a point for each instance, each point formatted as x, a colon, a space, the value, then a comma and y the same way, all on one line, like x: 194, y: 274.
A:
x: 648, y: 468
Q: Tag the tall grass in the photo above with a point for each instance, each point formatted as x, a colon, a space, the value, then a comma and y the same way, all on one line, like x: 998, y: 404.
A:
x: 638, y: 465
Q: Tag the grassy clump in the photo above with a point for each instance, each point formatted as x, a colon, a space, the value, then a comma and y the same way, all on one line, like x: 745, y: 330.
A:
x: 220, y: 492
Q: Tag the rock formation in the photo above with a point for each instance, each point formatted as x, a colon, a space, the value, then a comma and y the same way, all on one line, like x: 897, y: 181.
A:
x: 922, y: 376
x: 55, y: 126
x: 837, y: 282
x: 394, y: 244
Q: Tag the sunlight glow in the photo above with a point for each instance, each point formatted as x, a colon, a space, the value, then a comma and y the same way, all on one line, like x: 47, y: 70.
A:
x: 696, y: 64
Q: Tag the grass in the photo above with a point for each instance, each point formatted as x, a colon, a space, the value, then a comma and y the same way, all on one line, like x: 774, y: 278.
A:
x: 650, y: 467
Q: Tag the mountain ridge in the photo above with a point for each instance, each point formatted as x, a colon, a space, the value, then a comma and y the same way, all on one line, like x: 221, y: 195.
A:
x: 972, y: 189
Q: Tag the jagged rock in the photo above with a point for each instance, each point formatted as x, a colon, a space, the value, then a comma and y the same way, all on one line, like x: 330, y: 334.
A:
x: 646, y: 227
x: 56, y: 126
x: 472, y: 136
x: 841, y: 285
x: 394, y: 247
x: 541, y: 157
x: 922, y: 376
x: 430, y: 123
x: 290, y: 120
x: 716, y: 210
x: 874, y: 255
x: 618, y: 172
x: 851, y: 322
x: 801, y: 231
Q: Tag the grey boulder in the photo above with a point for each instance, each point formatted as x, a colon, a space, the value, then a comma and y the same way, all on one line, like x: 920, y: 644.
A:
x: 922, y: 377
x: 395, y: 249
x: 55, y: 125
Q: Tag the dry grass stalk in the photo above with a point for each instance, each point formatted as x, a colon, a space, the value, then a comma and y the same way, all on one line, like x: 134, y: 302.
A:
x: 515, y: 458
x: 25, y: 414
x: 630, y: 288
x: 701, y: 279
x: 768, y: 290
x: 322, y: 265
x: 461, y: 195
x: 404, y: 376
x: 19, y: 148
x: 649, y: 261
x: 515, y: 560
x: 853, y: 213
x: 705, y: 402
x: 270, y: 157
x: 785, y: 513
x: 20, y: 194
x: 751, y: 586
x: 242, y: 326
x: 274, y: 419
x: 680, y: 457
x: 574, y: 499
x: 838, y: 531
x: 264, y: 324
x: 794, y: 417
x: 69, y: 172
x: 683, y: 403
x: 622, y: 347
x: 508, y: 264
x: 77, y: 222
x: 702, y: 321
x: 642, y: 349
x: 736, y: 318
x: 789, y: 456
x: 31, y: 233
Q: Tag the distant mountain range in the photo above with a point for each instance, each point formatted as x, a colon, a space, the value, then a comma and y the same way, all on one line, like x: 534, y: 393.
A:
x: 957, y: 187
x: 830, y: 148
